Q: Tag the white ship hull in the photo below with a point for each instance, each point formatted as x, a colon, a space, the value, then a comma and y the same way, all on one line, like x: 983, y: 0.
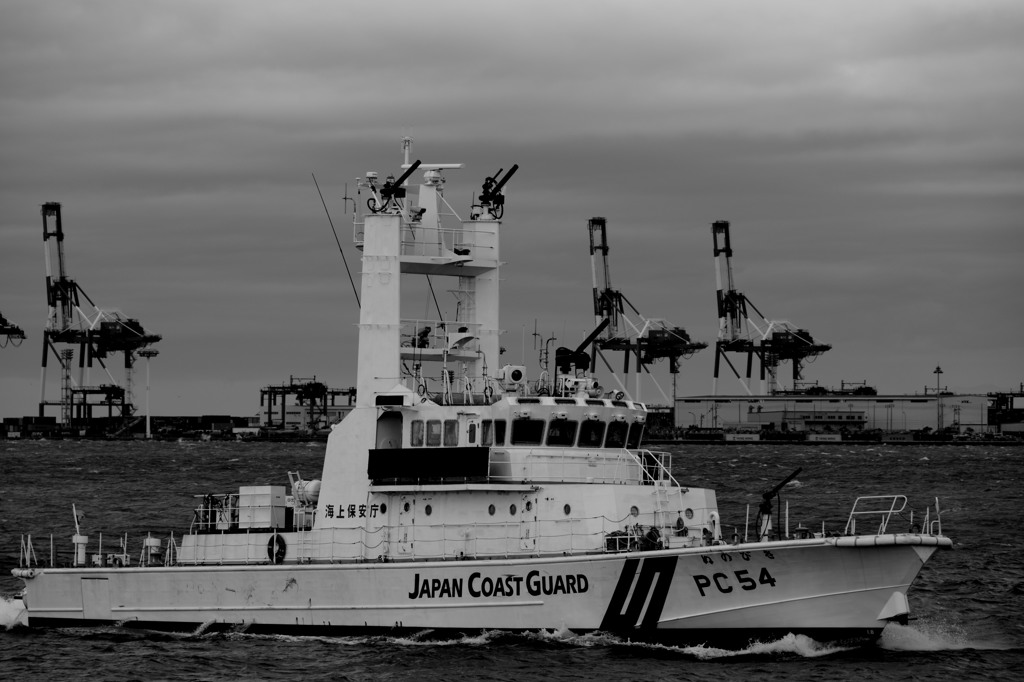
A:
x: 459, y: 495
x: 826, y: 588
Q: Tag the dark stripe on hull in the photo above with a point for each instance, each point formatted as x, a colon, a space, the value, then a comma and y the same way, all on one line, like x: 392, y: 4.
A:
x: 646, y: 593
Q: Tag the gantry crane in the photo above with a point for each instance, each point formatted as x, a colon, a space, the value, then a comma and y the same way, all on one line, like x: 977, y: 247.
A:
x: 314, y: 395
x: 10, y: 333
x: 648, y: 339
x: 772, y: 341
x: 96, y: 333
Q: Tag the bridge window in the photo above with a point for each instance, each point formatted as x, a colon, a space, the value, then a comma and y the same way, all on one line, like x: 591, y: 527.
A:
x: 616, y: 437
x: 433, y: 432
x: 451, y: 432
x: 492, y: 432
x: 591, y: 434
x: 562, y: 432
x: 527, y: 431
x: 416, y: 433
x: 636, y: 434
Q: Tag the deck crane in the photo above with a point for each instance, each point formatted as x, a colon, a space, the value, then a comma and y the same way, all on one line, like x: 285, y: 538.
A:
x: 646, y: 339
x: 97, y: 333
x: 10, y: 333
x: 772, y: 341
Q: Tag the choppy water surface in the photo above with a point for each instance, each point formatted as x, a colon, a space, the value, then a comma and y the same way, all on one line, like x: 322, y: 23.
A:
x: 968, y: 602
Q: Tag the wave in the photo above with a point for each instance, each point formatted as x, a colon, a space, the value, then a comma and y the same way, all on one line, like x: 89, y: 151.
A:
x: 789, y: 645
x: 12, y: 612
x: 799, y: 645
x: 932, y: 636
x: 922, y: 637
x: 926, y: 638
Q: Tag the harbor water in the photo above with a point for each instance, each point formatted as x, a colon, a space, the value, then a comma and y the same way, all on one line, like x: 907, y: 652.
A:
x: 967, y: 604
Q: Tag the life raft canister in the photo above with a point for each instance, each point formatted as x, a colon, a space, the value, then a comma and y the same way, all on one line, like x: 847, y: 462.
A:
x: 276, y: 549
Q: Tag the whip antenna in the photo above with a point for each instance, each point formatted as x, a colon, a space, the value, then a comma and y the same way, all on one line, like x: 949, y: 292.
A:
x: 344, y: 260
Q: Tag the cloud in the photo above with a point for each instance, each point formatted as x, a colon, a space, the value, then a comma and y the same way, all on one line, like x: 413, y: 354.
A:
x: 868, y: 156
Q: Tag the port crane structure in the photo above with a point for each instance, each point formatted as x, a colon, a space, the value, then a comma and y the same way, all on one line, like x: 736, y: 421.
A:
x: 647, y: 339
x: 10, y: 333
x: 309, y: 393
x: 772, y: 341
x: 95, y: 333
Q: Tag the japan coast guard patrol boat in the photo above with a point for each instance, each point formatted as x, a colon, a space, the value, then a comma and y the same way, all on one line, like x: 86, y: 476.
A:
x: 458, y: 496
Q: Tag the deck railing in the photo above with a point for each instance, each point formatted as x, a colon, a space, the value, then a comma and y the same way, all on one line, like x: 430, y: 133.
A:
x: 432, y: 242
x: 515, y: 536
x: 880, y: 509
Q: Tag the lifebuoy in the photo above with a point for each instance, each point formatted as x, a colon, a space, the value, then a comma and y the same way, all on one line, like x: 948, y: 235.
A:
x: 276, y: 549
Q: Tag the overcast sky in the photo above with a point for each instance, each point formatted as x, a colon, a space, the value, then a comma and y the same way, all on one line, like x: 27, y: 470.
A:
x: 870, y: 157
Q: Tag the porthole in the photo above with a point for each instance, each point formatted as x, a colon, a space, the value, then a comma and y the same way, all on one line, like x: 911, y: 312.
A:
x: 427, y: 510
x: 490, y: 509
x: 634, y: 511
x: 383, y: 508
x: 512, y: 509
x: 406, y: 506
x: 567, y: 509
x: 688, y: 513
